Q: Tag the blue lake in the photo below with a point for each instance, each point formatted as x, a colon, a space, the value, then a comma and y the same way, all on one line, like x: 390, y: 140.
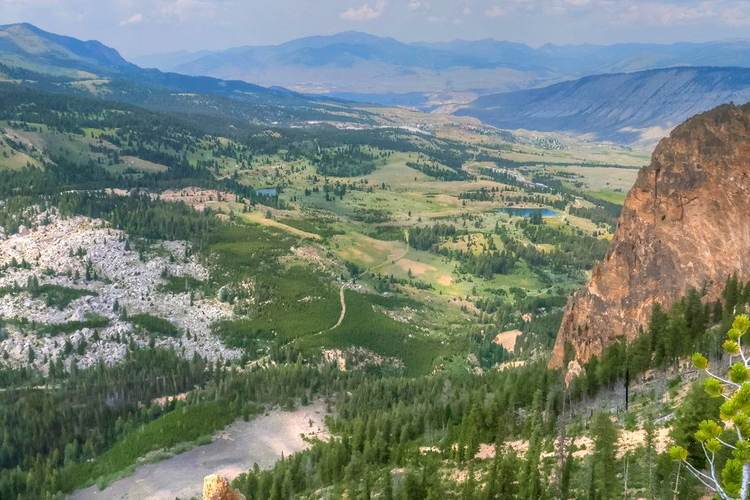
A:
x: 528, y: 212
x: 266, y: 192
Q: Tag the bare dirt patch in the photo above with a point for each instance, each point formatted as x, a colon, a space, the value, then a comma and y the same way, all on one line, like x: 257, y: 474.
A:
x: 196, y: 197
x: 445, y: 280
x: 507, y: 339
x: 417, y: 268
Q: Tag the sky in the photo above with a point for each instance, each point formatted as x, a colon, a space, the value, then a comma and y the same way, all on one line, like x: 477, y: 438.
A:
x: 140, y: 27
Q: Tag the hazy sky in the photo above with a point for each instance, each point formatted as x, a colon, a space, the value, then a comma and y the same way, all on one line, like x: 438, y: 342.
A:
x: 137, y: 27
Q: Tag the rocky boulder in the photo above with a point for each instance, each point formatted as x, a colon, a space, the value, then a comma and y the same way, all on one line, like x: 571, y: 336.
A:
x: 217, y: 488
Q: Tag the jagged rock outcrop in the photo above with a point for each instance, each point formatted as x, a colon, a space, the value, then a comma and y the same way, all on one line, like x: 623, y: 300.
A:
x: 684, y: 224
x: 217, y: 488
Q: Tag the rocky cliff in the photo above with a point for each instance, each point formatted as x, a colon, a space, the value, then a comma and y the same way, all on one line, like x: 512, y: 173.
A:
x: 684, y: 224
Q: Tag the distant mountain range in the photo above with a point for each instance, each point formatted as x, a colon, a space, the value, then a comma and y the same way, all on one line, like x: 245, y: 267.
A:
x: 640, y: 106
x: 58, y: 63
x: 355, y: 66
x: 625, y: 107
x: 430, y: 75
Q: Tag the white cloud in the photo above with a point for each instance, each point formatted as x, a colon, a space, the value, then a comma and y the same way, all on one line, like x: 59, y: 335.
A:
x: 134, y: 19
x: 466, y: 11
x: 495, y: 11
x: 674, y: 13
x: 436, y: 19
x: 668, y: 14
x: 737, y: 15
x: 365, y: 13
x: 414, y: 5
x: 188, y: 9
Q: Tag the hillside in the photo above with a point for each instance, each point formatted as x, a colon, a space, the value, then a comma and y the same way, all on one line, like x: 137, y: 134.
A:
x: 54, y: 63
x: 29, y: 47
x: 626, y: 108
x: 683, y: 226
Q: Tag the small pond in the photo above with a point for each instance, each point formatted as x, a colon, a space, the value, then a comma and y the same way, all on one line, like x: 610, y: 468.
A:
x: 266, y: 192
x: 528, y: 212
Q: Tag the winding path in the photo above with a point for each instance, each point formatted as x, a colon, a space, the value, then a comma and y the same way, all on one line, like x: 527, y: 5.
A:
x: 342, y: 298
x: 343, y: 308
x: 369, y: 271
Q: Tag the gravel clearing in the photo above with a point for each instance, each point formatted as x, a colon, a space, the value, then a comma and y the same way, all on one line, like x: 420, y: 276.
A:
x: 233, y: 451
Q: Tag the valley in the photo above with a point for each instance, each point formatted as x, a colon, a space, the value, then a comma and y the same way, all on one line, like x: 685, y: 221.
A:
x: 386, y: 251
x: 323, y: 299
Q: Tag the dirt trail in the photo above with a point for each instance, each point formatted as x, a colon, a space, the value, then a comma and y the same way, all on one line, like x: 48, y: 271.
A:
x: 343, y: 308
x: 343, y: 287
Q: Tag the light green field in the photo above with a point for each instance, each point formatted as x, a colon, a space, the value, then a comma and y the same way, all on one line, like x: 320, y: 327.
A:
x: 617, y: 197
x: 139, y: 165
x: 12, y: 159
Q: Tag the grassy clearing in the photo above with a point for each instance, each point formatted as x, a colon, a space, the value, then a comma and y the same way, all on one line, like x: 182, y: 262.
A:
x: 242, y: 250
x: 13, y: 159
x: 301, y: 303
x: 289, y: 302
x: 180, y: 284
x: 260, y: 218
x: 61, y: 296
x: 617, y: 197
x: 243, y: 334
x: 606, y: 179
x: 365, y: 327
x: 92, y: 321
x: 139, y: 165
x: 55, y: 295
x: 154, y: 324
x: 365, y: 251
x: 313, y: 225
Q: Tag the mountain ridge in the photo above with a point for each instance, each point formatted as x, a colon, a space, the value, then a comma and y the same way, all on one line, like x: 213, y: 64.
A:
x: 23, y: 39
x: 58, y: 63
x: 624, y: 107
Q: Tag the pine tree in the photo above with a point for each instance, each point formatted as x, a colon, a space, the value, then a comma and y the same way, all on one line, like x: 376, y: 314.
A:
x: 728, y: 433
x: 604, y: 434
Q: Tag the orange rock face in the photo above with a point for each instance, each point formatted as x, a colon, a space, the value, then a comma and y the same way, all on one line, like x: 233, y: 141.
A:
x: 685, y: 223
x: 218, y: 488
